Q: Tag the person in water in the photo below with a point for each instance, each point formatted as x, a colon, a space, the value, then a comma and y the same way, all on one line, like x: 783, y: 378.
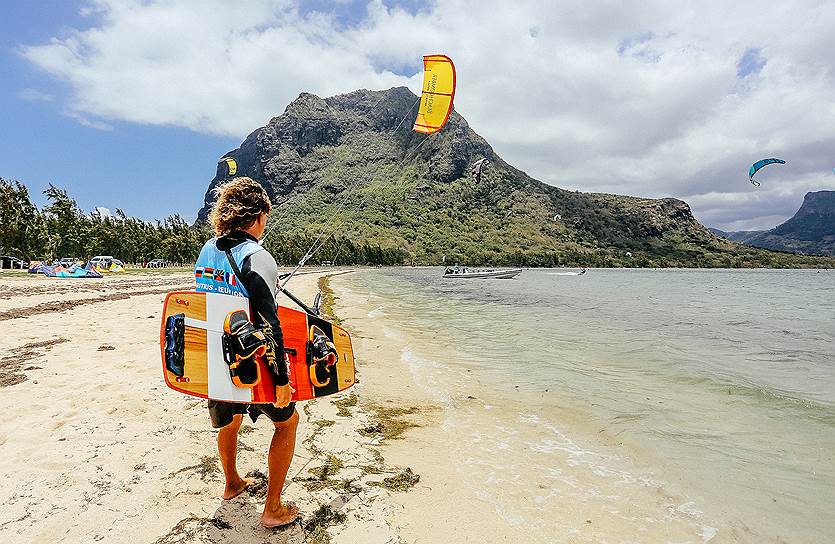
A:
x: 238, y: 218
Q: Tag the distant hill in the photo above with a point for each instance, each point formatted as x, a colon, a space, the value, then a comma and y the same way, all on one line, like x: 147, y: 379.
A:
x: 414, y: 194
x: 811, y: 231
x: 738, y: 235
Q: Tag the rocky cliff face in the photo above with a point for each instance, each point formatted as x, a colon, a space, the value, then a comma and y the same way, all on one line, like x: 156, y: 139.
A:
x: 274, y: 154
x: 811, y: 231
x: 353, y: 158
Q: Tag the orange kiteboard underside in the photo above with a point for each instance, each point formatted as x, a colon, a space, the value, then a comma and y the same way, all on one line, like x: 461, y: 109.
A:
x: 192, y: 356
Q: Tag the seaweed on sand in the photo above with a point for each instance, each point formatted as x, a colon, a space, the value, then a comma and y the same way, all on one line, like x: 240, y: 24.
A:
x: 206, y: 468
x: 333, y: 464
x: 258, y: 488
x: 378, y: 465
x: 12, y: 366
x: 328, y: 300
x: 402, y: 481
x: 184, y: 531
x: 246, y: 429
x: 220, y: 524
x: 317, y: 526
x: 345, y: 403
x: 323, y: 477
x: 189, y: 529
x: 391, y: 423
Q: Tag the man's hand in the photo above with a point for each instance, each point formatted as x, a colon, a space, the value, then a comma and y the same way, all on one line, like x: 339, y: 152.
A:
x: 283, y: 394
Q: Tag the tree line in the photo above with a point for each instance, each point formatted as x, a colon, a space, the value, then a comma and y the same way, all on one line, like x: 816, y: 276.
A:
x: 61, y: 229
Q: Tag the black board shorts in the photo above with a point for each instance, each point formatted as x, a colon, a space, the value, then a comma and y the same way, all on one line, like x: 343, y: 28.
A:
x: 223, y: 412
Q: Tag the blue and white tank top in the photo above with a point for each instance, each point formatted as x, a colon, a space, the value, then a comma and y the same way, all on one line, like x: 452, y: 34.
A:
x: 213, y: 272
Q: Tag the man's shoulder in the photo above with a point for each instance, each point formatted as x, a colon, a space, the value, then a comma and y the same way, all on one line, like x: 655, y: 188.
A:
x: 210, y: 243
x: 262, y: 260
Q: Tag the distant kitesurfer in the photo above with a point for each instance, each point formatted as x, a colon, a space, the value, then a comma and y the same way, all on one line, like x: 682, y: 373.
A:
x: 244, y: 268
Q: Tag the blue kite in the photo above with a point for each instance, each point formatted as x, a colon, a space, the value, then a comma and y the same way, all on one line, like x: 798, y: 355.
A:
x: 759, y: 164
x: 71, y: 272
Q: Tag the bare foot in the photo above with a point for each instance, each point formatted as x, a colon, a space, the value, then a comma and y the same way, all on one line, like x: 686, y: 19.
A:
x: 237, y: 487
x: 286, y: 514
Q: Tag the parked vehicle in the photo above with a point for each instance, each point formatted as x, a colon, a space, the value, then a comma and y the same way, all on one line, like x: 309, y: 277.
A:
x: 106, y: 263
x: 158, y: 263
x: 67, y: 262
x: 10, y: 262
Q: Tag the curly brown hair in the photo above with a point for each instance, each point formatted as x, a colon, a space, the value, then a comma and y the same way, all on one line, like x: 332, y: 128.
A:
x: 238, y: 204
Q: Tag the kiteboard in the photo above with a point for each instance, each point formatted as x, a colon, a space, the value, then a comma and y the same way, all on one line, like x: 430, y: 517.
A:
x: 192, y: 350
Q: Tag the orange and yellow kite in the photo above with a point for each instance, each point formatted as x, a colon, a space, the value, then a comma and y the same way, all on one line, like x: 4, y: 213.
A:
x: 437, y: 95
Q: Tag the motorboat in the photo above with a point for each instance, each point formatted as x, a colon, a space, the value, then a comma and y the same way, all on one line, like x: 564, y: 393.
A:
x: 466, y: 272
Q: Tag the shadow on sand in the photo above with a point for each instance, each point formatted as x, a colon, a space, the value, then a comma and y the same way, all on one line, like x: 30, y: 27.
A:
x: 235, y: 522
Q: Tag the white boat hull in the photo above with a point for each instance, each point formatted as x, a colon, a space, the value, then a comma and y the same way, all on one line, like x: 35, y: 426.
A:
x: 498, y: 274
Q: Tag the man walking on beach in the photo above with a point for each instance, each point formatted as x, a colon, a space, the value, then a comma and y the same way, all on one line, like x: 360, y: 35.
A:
x: 238, y: 218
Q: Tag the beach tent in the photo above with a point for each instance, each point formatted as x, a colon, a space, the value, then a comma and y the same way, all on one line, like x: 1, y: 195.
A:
x: 71, y: 272
x: 112, y: 267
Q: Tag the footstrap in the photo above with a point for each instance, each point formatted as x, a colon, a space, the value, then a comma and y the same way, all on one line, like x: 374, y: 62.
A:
x: 242, y: 345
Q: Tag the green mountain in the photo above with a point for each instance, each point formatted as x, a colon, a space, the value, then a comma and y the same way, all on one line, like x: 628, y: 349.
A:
x: 350, y: 167
x: 811, y: 231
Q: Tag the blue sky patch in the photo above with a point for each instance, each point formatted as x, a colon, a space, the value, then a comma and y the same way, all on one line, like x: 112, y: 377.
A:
x: 638, y: 47
x: 751, y: 62
x: 345, y: 14
x: 630, y: 42
x: 352, y: 13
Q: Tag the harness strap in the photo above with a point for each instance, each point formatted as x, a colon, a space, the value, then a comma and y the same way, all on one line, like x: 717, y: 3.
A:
x: 232, y: 263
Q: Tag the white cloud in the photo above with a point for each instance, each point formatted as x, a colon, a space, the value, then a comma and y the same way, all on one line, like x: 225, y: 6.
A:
x: 34, y: 95
x: 85, y: 121
x: 640, y: 99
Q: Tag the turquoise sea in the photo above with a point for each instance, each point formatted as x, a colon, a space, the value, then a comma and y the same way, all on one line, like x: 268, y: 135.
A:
x: 712, y: 389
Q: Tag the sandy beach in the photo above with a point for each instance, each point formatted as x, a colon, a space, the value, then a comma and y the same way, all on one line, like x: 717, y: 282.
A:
x: 102, y: 451
x: 99, y: 450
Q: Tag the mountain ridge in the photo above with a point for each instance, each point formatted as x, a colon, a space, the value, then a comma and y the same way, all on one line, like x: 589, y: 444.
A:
x: 810, y: 231
x: 415, y: 192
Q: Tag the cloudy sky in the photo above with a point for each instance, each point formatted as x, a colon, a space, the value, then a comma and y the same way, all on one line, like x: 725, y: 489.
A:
x: 129, y: 103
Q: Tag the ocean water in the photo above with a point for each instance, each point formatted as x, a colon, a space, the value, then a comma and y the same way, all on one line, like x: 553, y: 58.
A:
x: 654, y: 403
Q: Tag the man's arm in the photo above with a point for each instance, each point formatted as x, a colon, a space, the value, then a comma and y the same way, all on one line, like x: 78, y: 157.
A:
x: 260, y: 273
